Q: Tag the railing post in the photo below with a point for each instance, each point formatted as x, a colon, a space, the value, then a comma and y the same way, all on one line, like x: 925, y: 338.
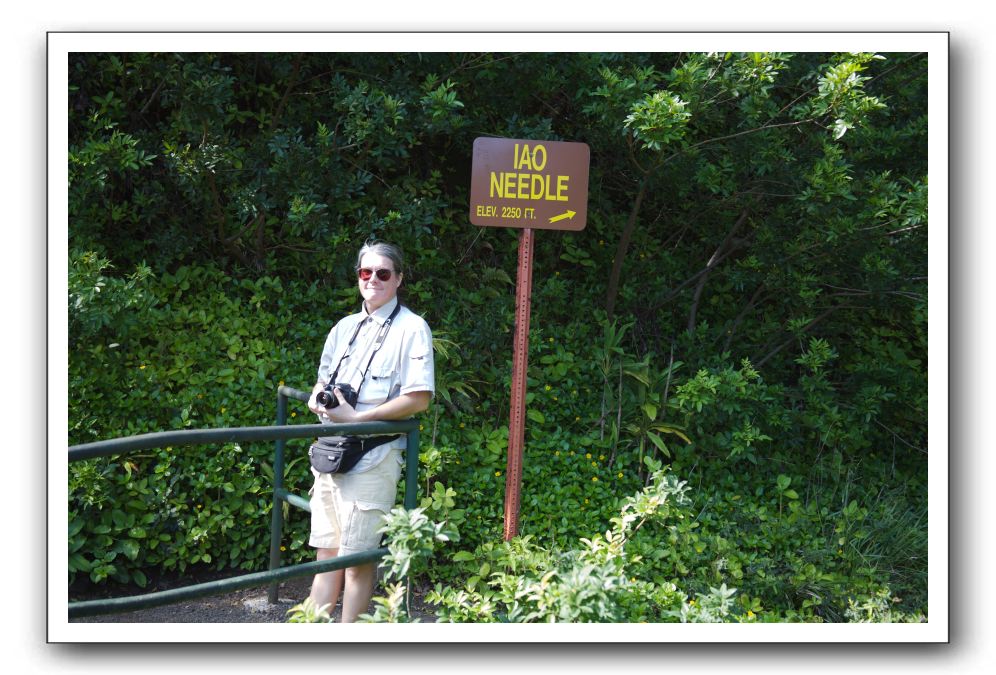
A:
x: 277, y: 513
x: 411, y: 470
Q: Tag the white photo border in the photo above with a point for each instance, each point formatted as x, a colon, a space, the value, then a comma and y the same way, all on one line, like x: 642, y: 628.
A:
x: 935, y: 44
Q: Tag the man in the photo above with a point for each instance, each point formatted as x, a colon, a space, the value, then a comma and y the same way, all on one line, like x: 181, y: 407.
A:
x: 384, y: 352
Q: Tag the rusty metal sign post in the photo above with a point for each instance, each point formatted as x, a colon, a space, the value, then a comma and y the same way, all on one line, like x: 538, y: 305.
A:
x: 530, y: 184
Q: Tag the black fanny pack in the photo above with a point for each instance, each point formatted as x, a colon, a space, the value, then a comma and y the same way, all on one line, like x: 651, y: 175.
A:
x: 339, y: 454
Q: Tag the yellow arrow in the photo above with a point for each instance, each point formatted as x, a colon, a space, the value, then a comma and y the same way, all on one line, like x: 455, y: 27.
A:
x: 568, y: 214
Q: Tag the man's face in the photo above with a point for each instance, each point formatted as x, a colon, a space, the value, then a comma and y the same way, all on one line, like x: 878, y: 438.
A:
x: 376, y: 291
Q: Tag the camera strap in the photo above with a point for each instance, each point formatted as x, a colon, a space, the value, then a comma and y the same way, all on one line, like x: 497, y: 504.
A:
x: 378, y: 343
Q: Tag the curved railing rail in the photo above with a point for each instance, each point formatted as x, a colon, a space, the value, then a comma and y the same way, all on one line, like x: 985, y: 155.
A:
x: 280, y: 433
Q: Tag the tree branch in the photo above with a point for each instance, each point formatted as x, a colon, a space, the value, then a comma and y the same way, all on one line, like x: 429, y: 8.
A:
x: 245, y: 228
x: 674, y: 293
x: 901, y: 439
x: 731, y: 331
x: 713, y: 261
x: 291, y: 83
x: 850, y: 292
x: 807, y: 327
x: 627, y: 235
x: 221, y: 222
x: 289, y: 247
x: 739, y: 133
x: 151, y: 97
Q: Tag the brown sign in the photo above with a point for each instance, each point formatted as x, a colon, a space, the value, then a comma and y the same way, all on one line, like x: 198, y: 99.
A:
x: 528, y: 183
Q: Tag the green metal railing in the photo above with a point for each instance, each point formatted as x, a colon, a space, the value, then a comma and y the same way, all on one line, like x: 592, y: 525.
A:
x: 280, y: 433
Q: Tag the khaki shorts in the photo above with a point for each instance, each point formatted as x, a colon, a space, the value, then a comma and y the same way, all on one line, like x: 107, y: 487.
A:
x: 348, y: 509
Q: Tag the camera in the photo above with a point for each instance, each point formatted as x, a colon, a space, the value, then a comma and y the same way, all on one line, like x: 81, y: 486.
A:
x: 328, y: 399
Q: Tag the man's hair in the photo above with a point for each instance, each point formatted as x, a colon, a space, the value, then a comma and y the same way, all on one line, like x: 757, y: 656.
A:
x: 385, y: 249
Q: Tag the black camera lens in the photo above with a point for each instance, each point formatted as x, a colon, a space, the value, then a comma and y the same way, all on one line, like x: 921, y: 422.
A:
x: 326, y: 399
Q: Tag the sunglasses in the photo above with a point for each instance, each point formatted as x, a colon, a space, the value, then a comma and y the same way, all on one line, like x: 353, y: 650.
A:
x: 383, y: 273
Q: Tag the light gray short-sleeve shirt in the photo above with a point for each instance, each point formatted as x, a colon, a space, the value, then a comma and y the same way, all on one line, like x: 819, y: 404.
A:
x: 403, y: 364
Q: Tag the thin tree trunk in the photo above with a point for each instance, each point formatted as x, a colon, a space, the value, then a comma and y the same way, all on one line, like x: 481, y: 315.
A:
x: 713, y: 261
x: 627, y: 236
x: 751, y: 304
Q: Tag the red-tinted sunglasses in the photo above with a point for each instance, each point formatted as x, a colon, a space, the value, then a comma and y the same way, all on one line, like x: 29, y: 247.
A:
x: 383, y: 273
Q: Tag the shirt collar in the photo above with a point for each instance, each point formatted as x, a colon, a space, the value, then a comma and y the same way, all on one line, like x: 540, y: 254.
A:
x: 381, y: 313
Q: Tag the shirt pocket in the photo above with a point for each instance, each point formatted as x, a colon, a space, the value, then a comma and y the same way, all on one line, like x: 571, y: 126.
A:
x: 378, y: 384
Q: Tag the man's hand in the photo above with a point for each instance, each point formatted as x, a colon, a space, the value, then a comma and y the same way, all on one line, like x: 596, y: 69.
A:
x: 343, y: 412
x: 313, y: 404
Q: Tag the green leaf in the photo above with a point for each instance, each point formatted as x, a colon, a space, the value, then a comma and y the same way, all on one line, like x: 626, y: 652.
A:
x: 77, y: 563
x: 129, y: 547
x: 535, y: 416
x: 664, y: 428
x: 656, y: 440
x: 75, y: 526
x: 840, y: 128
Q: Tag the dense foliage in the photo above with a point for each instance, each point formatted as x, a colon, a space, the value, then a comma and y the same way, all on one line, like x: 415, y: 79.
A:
x: 753, y: 275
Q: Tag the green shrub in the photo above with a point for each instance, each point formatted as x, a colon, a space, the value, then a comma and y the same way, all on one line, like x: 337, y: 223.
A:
x: 210, y: 355
x: 520, y: 582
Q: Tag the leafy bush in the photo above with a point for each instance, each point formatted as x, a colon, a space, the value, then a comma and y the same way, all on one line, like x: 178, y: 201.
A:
x: 202, y: 364
x: 522, y: 583
x: 122, y: 522
x: 519, y: 582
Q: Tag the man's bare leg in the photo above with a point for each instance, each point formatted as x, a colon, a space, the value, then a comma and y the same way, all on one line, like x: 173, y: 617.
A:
x: 359, y: 590
x: 327, y: 586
